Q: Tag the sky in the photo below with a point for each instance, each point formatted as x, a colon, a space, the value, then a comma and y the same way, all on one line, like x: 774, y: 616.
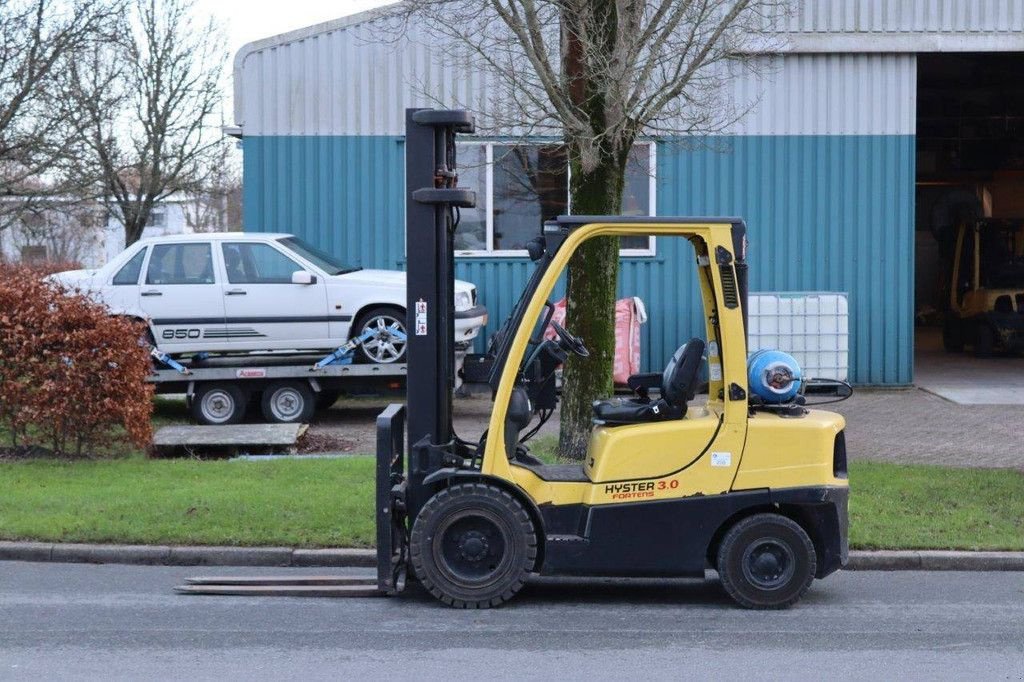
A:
x: 247, y: 20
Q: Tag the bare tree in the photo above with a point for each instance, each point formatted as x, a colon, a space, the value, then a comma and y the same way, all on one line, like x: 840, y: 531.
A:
x: 65, y: 231
x: 216, y: 203
x: 601, y: 74
x: 148, y: 108
x: 39, y: 40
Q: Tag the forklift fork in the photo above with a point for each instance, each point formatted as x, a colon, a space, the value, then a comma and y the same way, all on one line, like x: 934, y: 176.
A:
x: 392, y: 537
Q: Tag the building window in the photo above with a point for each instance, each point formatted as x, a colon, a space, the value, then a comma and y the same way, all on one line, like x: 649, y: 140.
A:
x: 156, y: 219
x: 520, y: 186
x: 33, y: 255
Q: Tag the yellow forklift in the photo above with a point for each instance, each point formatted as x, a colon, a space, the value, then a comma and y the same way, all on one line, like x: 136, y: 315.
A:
x: 986, y: 302
x: 754, y: 489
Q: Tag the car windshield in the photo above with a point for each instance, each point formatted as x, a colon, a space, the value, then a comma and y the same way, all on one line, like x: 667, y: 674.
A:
x: 324, y: 261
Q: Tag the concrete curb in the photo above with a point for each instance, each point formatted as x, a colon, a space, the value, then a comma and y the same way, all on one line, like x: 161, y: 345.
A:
x: 935, y: 560
x: 163, y: 555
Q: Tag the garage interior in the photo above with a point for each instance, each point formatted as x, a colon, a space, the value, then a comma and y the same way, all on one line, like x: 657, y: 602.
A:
x: 970, y: 158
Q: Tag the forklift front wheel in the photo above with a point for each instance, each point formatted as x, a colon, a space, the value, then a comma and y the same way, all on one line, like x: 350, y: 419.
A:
x: 473, y: 546
x: 766, y: 561
x: 984, y: 341
x: 953, y: 336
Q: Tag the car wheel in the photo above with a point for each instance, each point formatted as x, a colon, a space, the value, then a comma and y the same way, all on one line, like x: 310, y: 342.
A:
x: 766, y: 561
x: 218, y: 404
x: 473, y: 546
x: 288, y: 402
x: 384, y: 347
x: 984, y: 341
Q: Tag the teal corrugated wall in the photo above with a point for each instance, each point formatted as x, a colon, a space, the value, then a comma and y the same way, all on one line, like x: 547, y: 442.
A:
x: 828, y: 213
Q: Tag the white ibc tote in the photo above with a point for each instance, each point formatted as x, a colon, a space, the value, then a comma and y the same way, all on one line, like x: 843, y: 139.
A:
x: 812, y: 326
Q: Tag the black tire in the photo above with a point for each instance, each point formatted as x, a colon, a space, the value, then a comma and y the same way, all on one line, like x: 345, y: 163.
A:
x: 766, y: 561
x: 288, y: 402
x: 218, y: 404
x: 325, y: 399
x: 381, y: 317
x: 984, y: 341
x: 953, y: 335
x: 473, y: 546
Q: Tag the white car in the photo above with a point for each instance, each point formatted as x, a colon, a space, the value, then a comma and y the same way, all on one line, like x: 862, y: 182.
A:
x: 232, y: 292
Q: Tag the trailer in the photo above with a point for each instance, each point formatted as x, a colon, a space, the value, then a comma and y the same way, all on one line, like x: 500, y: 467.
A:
x: 287, y: 388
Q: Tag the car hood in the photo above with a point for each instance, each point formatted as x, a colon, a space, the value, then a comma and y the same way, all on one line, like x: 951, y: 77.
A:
x: 80, y: 279
x: 387, y: 278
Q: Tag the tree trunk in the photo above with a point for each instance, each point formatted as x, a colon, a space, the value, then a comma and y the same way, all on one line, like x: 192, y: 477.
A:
x: 595, y: 189
x: 592, y: 283
x: 133, y: 230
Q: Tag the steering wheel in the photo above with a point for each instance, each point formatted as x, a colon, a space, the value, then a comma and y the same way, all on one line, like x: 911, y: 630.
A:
x: 568, y: 342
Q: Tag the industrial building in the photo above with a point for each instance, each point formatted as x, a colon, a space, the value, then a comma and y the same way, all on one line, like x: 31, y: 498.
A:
x: 870, y: 113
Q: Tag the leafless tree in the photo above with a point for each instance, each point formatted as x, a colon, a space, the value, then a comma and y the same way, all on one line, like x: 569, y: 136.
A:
x: 149, y: 106
x: 600, y: 74
x: 39, y: 40
x: 216, y: 204
x: 64, y: 231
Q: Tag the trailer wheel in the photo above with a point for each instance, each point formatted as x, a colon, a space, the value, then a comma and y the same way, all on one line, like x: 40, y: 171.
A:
x: 288, y: 402
x: 984, y: 340
x: 473, y: 546
x: 766, y: 561
x: 325, y: 398
x: 218, y: 404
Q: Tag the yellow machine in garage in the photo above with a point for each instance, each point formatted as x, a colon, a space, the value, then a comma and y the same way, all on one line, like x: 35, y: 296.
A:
x: 986, y: 302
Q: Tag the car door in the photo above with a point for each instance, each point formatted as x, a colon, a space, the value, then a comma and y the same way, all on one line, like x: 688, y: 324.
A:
x: 121, y: 293
x: 181, y: 296
x: 261, y: 302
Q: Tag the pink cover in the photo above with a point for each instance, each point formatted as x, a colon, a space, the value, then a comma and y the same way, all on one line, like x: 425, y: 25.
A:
x: 629, y: 315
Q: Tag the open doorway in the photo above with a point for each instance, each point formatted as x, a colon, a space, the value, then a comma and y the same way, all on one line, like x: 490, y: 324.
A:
x: 970, y: 172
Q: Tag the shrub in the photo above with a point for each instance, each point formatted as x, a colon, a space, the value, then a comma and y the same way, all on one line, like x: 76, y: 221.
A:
x: 71, y: 376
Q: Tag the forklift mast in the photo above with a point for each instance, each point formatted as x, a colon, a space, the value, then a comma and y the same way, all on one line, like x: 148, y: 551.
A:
x: 432, y: 203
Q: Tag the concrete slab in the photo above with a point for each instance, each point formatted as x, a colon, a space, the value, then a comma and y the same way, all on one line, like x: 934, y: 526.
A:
x: 227, y: 441
x: 238, y: 434
x: 964, y: 379
x: 979, y: 396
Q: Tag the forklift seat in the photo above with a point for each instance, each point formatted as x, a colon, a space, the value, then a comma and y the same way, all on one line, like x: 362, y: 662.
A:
x: 677, y: 385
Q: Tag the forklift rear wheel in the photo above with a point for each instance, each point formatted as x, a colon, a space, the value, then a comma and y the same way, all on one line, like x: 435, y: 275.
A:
x: 473, y: 546
x: 766, y: 561
x: 218, y: 404
x: 984, y: 341
x: 288, y: 402
x: 952, y: 336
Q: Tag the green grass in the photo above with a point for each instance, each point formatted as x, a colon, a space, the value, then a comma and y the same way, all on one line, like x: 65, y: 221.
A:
x: 308, y: 502
x: 328, y: 502
x: 931, y: 507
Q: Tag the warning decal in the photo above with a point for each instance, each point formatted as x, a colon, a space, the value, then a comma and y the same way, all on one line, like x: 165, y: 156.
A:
x: 421, y: 318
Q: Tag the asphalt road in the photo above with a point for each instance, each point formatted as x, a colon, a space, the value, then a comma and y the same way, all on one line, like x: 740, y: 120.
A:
x: 86, y: 622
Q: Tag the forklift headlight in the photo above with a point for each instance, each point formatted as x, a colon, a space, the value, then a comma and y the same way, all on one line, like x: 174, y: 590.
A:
x: 463, y: 300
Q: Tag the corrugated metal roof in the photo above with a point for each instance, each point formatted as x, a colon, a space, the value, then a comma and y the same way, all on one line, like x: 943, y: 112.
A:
x: 338, y: 83
x: 907, y: 16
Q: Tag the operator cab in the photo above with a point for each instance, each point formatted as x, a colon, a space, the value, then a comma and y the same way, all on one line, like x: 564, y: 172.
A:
x: 657, y: 397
